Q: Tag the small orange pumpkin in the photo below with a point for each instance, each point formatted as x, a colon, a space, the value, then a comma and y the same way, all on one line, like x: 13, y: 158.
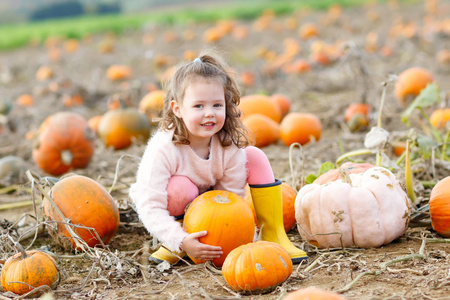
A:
x: 300, y: 127
x: 44, y: 73
x: 263, y: 130
x: 28, y: 270
x: 440, y: 117
x: 118, y: 72
x: 215, y: 212
x: 313, y: 293
x: 357, y: 116
x: 152, y: 104
x: 283, y: 102
x: 25, y: 100
x: 118, y: 128
x: 410, y: 82
x: 94, y: 121
x: 439, y: 206
x: 65, y: 141
x: 85, y: 202
x: 257, y: 267
x: 260, y: 104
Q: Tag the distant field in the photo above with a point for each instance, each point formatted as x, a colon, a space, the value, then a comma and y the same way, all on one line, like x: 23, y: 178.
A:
x: 18, y: 35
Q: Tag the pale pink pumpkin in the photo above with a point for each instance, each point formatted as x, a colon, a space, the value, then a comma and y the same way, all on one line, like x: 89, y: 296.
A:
x: 371, y: 211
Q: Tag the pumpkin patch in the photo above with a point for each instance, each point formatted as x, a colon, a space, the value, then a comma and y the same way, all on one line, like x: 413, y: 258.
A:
x: 344, y: 64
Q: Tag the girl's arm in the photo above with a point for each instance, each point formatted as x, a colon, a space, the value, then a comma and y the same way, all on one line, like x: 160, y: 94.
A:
x: 150, y: 197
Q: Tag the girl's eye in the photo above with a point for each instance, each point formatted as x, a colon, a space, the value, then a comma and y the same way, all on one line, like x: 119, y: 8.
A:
x: 218, y: 105
x: 198, y: 106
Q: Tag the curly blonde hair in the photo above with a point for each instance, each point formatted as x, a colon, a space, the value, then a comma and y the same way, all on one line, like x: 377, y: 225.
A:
x: 207, y: 65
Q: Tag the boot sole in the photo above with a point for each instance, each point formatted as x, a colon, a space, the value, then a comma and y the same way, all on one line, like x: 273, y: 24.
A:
x: 297, y: 260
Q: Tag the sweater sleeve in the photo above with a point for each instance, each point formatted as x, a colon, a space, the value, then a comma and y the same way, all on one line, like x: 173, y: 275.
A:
x: 149, y: 194
x: 235, y: 173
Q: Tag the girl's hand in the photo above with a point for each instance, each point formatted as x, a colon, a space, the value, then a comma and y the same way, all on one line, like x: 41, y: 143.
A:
x: 197, y: 250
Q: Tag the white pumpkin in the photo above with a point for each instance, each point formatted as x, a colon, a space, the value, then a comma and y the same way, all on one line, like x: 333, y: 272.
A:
x: 369, y: 211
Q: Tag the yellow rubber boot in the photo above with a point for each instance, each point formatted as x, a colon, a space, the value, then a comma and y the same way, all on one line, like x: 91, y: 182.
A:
x: 269, y: 212
x: 163, y: 254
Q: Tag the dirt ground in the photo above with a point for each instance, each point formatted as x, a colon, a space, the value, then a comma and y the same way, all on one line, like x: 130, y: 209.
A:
x: 416, y: 266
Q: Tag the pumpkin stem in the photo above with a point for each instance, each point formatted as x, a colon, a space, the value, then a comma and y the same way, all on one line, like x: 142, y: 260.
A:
x: 352, y: 153
x: 408, y: 173
x: 345, y: 176
x: 18, y: 247
x: 66, y: 157
x: 221, y: 199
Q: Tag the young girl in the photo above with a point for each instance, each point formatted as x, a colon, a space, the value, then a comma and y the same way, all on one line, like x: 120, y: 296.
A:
x: 201, y: 145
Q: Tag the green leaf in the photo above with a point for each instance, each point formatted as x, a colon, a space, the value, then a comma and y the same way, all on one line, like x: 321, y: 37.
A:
x: 325, y: 167
x: 426, y: 145
x: 310, y: 178
x: 429, y: 96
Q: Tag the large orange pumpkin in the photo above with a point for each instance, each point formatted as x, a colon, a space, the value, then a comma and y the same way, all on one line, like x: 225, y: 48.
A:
x: 85, y: 202
x: 439, y: 206
x: 410, y: 82
x: 65, y: 141
x: 313, y: 293
x: 215, y: 212
x: 28, y: 270
x: 117, y: 128
x: 257, y: 267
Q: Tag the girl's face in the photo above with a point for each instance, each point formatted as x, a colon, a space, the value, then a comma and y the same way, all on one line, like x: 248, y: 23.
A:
x: 202, y: 109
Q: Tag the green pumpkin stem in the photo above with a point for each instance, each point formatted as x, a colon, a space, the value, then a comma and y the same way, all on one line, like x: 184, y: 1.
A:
x: 408, y: 173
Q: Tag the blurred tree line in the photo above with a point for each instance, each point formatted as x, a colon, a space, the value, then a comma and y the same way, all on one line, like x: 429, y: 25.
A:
x: 15, y: 11
x: 72, y: 8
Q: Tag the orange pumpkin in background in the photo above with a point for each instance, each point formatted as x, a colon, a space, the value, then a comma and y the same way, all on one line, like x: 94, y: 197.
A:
x: 283, y: 102
x: 440, y: 207
x: 357, y: 116
x: 300, y: 128
x: 118, y: 72
x: 260, y: 104
x: 410, y: 82
x: 215, y: 211
x: 263, y: 130
x: 440, y: 117
x: 65, y: 142
x: 95, y: 208
x: 152, y: 104
x: 118, y: 128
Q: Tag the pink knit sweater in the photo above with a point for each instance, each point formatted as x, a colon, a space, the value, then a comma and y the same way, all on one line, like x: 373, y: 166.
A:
x: 223, y: 170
